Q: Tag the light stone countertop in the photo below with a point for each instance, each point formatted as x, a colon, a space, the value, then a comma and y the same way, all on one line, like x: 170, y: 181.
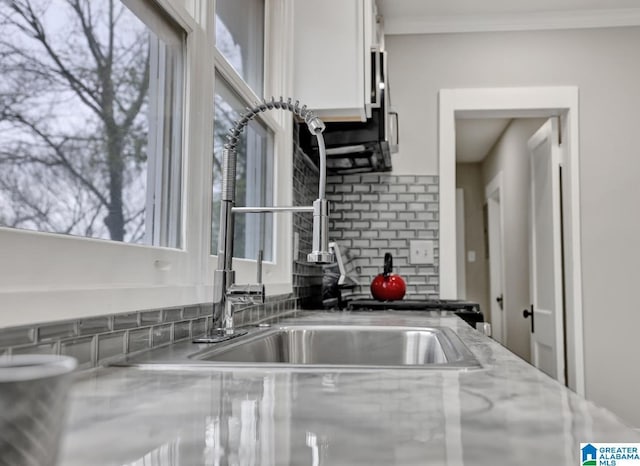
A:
x: 507, y: 413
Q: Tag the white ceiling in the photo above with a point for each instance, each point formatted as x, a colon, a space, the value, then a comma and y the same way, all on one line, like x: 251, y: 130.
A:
x: 442, y: 16
x: 476, y: 136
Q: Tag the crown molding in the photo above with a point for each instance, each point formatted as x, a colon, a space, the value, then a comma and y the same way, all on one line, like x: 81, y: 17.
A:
x: 513, y: 22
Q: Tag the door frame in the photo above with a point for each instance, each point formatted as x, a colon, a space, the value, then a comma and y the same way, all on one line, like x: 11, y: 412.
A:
x: 460, y: 245
x: 492, y: 190
x: 518, y: 102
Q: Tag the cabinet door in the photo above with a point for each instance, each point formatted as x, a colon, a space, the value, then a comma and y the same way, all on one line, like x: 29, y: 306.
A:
x: 332, y: 62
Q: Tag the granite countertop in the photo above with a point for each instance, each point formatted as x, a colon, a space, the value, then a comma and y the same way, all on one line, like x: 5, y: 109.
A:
x: 505, y: 413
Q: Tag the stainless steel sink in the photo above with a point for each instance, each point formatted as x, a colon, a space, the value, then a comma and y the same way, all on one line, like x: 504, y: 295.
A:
x: 351, y: 346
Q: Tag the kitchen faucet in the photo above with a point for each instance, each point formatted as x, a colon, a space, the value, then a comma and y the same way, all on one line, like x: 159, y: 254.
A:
x: 226, y: 293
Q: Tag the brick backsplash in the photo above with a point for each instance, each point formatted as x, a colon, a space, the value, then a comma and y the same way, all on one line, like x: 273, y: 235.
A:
x: 307, y: 278
x: 371, y: 214
x: 94, y: 341
x: 377, y: 213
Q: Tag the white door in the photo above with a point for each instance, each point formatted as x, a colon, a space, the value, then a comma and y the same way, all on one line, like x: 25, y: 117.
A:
x: 546, y: 314
x: 493, y: 193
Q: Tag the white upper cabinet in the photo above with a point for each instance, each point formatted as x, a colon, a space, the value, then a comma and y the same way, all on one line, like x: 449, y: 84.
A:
x: 333, y: 40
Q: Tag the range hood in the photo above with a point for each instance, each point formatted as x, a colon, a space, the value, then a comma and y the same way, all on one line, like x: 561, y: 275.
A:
x: 360, y: 147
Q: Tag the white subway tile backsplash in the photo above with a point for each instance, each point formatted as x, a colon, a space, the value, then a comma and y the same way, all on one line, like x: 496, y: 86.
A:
x: 397, y: 209
x: 407, y: 234
x: 94, y: 325
x: 57, y: 330
x: 377, y: 225
x: 122, y: 321
x: 150, y: 317
x: 181, y: 330
x: 45, y: 348
x: 191, y: 312
x: 370, y: 179
x: 171, y: 315
x: 161, y: 335
x: 80, y: 348
x: 206, y: 309
x: 111, y: 345
x: 380, y: 188
x: 198, y: 327
x: 397, y: 206
x: 139, y: 339
x: 398, y: 188
x: 17, y: 336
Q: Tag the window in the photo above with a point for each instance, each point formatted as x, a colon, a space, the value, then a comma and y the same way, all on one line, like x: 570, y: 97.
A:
x: 106, y: 159
x: 240, y: 38
x: 239, y: 82
x: 252, y: 232
x: 91, y: 120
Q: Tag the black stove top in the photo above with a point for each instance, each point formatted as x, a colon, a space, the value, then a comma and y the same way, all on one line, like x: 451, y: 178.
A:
x: 414, y: 304
x: 467, y: 310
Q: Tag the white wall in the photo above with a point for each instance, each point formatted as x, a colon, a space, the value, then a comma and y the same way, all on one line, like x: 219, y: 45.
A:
x: 604, y: 64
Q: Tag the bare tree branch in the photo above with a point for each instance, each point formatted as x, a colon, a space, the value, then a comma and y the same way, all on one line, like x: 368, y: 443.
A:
x: 134, y: 110
x: 63, y: 158
x: 87, y: 29
x: 37, y: 32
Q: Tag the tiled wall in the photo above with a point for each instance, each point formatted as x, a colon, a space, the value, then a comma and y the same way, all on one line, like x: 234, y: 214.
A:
x: 98, y: 340
x: 377, y: 213
x: 307, y: 278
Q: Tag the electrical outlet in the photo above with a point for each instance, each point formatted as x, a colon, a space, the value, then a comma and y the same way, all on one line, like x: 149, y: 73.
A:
x: 421, y: 252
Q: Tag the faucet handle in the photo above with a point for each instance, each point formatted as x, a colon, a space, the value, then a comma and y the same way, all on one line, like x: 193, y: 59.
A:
x: 259, y: 267
x: 320, y: 253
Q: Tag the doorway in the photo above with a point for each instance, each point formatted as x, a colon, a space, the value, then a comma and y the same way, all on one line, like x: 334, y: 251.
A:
x: 495, y: 233
x: 538, y: 102
x: 493, y: 169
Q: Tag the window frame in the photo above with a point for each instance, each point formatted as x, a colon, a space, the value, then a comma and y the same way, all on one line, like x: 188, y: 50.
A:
x: 278, y: 27
x: 49, y: 277
x: 165, y: 174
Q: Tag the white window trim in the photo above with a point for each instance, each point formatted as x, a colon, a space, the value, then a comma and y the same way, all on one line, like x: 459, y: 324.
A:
x: 48, y: 277
x: 278, y: 52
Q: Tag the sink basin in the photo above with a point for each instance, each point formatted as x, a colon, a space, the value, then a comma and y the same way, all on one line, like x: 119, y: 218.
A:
x: 346, y: 346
